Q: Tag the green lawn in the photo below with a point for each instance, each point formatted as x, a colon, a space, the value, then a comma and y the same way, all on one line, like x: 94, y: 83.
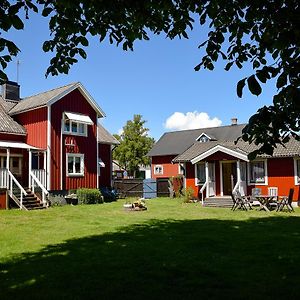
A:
x: 170, y: 251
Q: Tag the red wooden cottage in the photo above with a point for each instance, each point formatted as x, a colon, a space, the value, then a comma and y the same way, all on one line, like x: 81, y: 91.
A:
x: 213, y: 165
x: 50, y: 141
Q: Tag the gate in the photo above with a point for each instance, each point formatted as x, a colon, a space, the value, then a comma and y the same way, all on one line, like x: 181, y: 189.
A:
x: 129, y: 187
x: 162, y: 187
x: 149, y: 188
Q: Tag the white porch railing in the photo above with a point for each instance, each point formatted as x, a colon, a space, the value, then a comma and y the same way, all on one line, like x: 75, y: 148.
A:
x: 4, y: 181
x: 35, y: 182
x: 15, y: 187
x: 202, y: 190
x: 40, y: 174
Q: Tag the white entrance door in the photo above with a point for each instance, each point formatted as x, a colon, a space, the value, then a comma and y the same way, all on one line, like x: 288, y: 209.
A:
x: 211, y: 180
x: 243, y: 172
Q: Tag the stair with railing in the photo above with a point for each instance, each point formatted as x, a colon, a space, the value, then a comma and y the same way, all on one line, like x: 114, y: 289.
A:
x: 30, y: 201
x: 28, y: 198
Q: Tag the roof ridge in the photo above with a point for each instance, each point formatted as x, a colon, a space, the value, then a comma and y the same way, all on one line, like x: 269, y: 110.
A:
x: 203, y: 128
x: 34, y: 95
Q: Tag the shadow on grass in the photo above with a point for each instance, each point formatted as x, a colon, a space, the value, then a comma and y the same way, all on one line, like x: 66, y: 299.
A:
x: 255, y: 259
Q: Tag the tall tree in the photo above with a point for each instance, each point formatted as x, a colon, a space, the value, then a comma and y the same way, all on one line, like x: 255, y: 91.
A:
x: 263, y: 32
x: 134, y: 145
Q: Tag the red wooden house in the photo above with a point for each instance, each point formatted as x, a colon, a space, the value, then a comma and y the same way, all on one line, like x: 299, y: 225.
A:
x: 50, y: 140
x: 213, y: 165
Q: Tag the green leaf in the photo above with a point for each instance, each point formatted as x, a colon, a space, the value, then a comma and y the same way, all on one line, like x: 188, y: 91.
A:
x: 281, y: 81
x: 262, y: 76
x: 240, y: 86
x: 197, y: 68
x: 82, y: 53
x: 47, y: 11
x: 84, y: 41
x: 46, y: 46
x: 17, y: 22
x: 253, y: 85
x: 229, y: 65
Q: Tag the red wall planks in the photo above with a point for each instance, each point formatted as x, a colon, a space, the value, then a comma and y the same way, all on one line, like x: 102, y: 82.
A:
x: 73, y: 102
x: 35, y: 122
x: 105, y: 173
x: 169, y: 169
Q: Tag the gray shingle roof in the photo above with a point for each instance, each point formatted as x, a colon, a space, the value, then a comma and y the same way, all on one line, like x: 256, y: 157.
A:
x: 291, y: 149
x: 176, y: 142
x: 7, y: 104
x: 105, y: 137
x: 8, y: 125
x: 39, y: 100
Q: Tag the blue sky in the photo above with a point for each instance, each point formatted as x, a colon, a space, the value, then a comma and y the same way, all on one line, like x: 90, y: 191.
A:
x: 156, y: 80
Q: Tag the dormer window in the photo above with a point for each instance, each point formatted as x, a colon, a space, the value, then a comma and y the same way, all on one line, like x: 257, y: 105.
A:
x: 203, y: 138
x: 76, y: 124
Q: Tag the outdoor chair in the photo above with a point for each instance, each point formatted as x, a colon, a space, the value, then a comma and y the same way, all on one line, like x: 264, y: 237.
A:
x: 273, y: 191
x: 286, y: 202
x: 238, y: 202
x: 252, y: 199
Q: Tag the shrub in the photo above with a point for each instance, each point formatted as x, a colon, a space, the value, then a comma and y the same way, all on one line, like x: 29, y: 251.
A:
x: 188, y: 194
x: 89, y: 196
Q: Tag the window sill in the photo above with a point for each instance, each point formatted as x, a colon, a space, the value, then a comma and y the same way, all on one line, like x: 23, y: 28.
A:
x: 75, y: 133
x: 257, y: 183
x: 75, y: 175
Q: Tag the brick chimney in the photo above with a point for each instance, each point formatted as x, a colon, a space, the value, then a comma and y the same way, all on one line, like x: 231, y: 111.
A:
x: 11, y: 91
x: 234, y: 121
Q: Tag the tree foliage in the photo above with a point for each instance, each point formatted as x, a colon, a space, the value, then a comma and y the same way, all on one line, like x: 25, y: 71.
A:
x: 134, y: 145
x: 264, y: 33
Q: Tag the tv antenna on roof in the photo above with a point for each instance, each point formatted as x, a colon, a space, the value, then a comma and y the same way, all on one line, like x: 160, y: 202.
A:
x: 18, y: 66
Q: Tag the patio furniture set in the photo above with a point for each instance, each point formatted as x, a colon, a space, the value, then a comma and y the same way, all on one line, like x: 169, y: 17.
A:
x: 263, y: 202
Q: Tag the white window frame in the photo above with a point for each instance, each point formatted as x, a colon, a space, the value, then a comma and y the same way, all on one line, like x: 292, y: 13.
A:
x: 161, y: 170
x: 265, y: 182
x: 197, y: 182
x: 181, y: 169
x: 71, y: 122
x: 74, y: 174
x: 20, y: 163
x: 296, y: 177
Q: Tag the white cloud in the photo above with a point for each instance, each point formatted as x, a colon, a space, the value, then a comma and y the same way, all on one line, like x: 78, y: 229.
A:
x: 120, y: 131
x: 190, y: 120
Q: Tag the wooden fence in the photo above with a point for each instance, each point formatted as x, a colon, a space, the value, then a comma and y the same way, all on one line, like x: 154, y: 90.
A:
x: 136, y: 188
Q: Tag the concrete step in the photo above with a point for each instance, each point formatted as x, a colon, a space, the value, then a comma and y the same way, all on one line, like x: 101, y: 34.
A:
x: 218, y: 202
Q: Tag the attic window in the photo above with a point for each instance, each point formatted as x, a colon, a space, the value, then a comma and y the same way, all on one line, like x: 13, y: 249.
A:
x: 76, y: 124
x: 203, y: 138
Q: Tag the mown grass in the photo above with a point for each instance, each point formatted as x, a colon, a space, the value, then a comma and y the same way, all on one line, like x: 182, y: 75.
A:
x: 170, y: 251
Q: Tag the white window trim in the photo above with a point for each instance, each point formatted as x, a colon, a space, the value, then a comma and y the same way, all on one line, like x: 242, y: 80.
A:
x: 158, y: 173
x: 181, y: 172
x: 266, y: 172
x: 81, y: 174
x: 201, y: 135
x: 70, y: 132
x: 296, y: 177
x: 196, y: 173
x: 20, y: 156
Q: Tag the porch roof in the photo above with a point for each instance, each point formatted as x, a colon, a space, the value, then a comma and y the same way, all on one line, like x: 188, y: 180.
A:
x: 17, y: 145
x: 199, y: 151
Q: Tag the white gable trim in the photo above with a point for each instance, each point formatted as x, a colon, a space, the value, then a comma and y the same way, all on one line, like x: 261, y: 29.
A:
x: 221, y: 149
x: 203, y: 133
x: 85, y: 94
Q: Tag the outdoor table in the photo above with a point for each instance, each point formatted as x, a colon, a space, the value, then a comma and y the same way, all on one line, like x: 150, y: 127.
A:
x: 265, y: 200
